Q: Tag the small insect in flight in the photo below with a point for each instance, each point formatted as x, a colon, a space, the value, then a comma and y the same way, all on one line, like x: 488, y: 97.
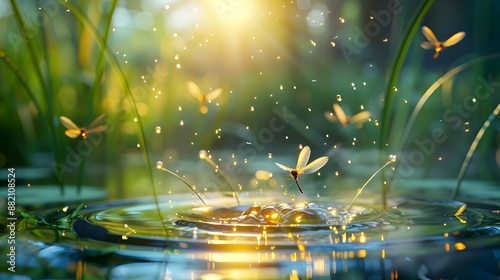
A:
x: 433, y: 42
x: 302, y: 168
x: 74, y: 131
x: 196, y: 92
x: 340, y: 116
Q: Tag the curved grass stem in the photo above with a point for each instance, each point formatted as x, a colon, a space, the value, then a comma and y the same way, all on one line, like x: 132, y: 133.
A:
x: 450, y: 74
x: 472, y: 148
x: 394, y: 72
x: 392, y: 159
x: 204, y: 156
x: 160, y: 167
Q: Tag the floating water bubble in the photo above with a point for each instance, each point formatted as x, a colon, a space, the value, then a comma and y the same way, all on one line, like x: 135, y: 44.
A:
x: 158, y: 129
x: 181, y: 122
x: 159, y: 164
x: 203, y: 154
x: 339, y: 97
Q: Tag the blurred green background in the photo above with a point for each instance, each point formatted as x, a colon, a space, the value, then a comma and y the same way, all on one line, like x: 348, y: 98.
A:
x: 280, y: 64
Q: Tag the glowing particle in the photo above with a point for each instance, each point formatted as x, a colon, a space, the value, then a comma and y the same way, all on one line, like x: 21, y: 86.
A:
x: 281, y: 87
x: 252, y: 108
x: 203, y: 154
x: 159, y: 164
x: 180, y: 108
x: 181, y: 122
x: 158, y: 129
x: 339, y: 97
x: 135, y: 119
x: 313, y: 43
x: 178, y: 65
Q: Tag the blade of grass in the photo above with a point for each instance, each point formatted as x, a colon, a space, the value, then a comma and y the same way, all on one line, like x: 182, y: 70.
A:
x: 35, y: 58
x: 394, y: 72
x: 450, y: 74
x: 391, y: 160
x: 100, y: 67
x: 82, y: 17
x: 472, y: 148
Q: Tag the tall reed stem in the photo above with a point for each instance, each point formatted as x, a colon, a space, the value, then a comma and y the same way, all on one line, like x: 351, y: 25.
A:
x: 394, y: 72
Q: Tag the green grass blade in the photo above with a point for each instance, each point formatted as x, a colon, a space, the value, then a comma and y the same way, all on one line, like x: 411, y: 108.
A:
x: 35, y: 58
x: 472, y: 148
x: 82, y: 17
x: 450, y: 74
x: 394, y: 72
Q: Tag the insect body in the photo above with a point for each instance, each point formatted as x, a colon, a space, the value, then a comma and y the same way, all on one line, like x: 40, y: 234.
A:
x: 302, y: 166
x: 340, y: 116
x: 438, y: 46
x: 73, y: 131
x: 196, y: 92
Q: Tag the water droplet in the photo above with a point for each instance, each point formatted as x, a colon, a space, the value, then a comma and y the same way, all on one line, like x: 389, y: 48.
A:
x: 135, y: 119
x: 138, y: 145
x: 181, y: 122
x: 392, y: 158
x: 339, y: 97
x: 158, y: 129
x: 252, y: 108
x: 270, y: 155
x: 203, y: 154
x: 180, y: 108
x: 159, y: 164
x: 376, y: 122
x: 281, y: 87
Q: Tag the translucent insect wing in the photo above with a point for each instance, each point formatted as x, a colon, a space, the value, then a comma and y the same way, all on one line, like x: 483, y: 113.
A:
x: 304, y: 155
x: 454, y: 39
x: 284, y: 167
x: 341, y: 116
x: 194, y: 90
x: 213, y: 94
x: 315, y: 165
x: 360, y: 117
x: 73, y: 130
x: 96, y: 121
x: 427, y: 45
x: 429, y: 35
x: 69, y: 124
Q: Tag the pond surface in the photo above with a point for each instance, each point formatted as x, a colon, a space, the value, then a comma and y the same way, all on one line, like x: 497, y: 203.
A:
x: 413, y: 239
